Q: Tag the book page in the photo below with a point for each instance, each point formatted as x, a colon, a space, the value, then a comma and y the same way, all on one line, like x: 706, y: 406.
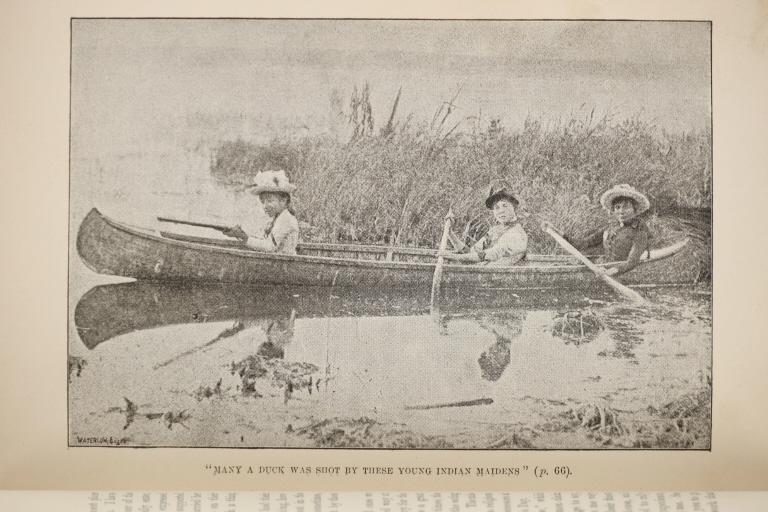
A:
x: 234, y: 501
x: 138, y: 137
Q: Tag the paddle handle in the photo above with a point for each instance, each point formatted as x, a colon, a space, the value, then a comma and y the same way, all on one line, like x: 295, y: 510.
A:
x: 620, y: 288
x: 217, y: 227
x: 438, y: 275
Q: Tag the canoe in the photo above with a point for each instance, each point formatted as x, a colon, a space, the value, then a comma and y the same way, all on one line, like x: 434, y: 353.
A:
x: 113, y: 248
x: 108, y: 311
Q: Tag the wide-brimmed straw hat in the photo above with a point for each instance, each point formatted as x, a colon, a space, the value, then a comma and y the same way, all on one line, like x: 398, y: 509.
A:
x: 624, y: 190
x: 272, y: 181
x: 500, y: 190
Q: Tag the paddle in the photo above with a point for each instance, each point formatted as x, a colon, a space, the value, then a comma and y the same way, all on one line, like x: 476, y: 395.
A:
x: 217, y: 227
x: 465, y: 403
x: 626, y: 292
x: 438, y: 275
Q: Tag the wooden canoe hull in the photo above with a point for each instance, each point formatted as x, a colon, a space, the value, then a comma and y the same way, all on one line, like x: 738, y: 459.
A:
x: 109, y: 247
x: 108, y: 311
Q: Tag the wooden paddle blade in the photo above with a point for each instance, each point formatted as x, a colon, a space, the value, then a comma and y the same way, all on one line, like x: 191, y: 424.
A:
x: 627, y: 292
x: 438, y: 275
x: 599, y: 272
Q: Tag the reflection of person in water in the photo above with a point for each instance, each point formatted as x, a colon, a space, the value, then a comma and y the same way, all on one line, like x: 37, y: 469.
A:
x: 495, y: 359
x: 279, y: 333
x: 505, y: 327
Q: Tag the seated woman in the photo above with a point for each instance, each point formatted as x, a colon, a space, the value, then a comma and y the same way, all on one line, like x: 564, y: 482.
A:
x: 282, y: 234
x: 506, y: 243
x: 626, y: 237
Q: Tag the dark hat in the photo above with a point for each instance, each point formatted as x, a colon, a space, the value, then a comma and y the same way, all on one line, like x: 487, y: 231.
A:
x: 500, y: 190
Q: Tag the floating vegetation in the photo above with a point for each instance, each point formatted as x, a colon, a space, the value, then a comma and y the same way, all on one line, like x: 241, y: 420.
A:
x: 131, y: 412
x: 625, y: 326
x: 510, y: 441
x: 204, y: 392
x: 75, y: 363
x: 599, y: 418
x: 688, y: 422
x: 275, y: 372
x: 171, y: 418
x: 682, y: 423
x: 577, y: 327
x: 365, y: 433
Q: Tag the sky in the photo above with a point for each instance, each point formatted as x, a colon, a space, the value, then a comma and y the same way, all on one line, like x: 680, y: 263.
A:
x: 131, y: 78
x: 642, y: 42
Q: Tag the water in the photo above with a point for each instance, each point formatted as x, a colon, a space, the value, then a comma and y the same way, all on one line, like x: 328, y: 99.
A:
x: 329, y: 367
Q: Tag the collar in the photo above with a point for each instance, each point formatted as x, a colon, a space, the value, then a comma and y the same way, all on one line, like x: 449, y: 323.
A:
x: 504, y: 227
x: 633, y: 223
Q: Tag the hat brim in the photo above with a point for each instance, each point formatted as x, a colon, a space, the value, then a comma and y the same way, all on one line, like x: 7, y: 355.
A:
x: 609, y: 196
x: 258, y: 189
x: 500, y: 195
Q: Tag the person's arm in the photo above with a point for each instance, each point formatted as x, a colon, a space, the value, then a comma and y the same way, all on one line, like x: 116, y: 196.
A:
x: 261, y: 244
x: 469, y: 257
x: 594, y: 239
x: 257, y: 243
x: 473, y: 256
x: 235, y: 232
x: 512, y: 245
x: 639, y: 246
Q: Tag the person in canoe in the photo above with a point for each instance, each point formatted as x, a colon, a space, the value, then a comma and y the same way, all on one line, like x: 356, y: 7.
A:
x: 626, y: 237
x: 505, y: 244
x: 282, y: 234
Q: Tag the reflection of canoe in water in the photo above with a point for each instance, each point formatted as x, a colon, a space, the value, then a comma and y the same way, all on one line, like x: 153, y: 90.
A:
x: 108, y: 247
x: 107, y: 311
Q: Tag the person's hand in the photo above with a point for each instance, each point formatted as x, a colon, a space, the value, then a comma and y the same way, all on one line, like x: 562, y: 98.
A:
x: 235, y: 232
x: 456, y: 242
x: 445, y: 254
x: 611, y: 271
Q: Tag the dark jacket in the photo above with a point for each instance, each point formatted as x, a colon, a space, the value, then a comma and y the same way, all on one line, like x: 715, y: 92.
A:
x: 625, y: 243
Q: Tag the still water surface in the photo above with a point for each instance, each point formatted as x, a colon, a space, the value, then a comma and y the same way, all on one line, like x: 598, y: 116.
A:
x: 170, y: 365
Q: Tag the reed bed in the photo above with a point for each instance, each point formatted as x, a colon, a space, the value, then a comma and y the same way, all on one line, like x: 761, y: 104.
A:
x: 394, y: 185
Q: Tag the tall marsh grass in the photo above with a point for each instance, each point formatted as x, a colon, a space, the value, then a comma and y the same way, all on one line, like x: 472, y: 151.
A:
x: 395, y: 185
